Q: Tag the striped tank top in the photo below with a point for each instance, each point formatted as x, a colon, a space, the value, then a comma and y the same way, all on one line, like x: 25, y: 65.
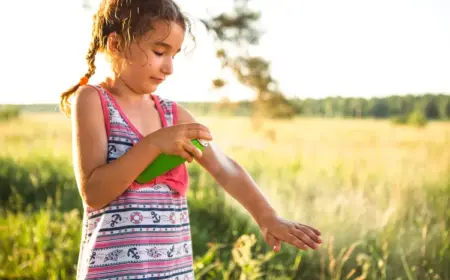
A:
x: 145, y: 232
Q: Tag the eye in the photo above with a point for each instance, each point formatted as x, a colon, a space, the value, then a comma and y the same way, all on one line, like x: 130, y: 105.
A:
x: 158, y: 53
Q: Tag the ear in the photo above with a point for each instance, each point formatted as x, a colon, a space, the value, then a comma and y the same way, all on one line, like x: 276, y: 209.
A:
x: 113, y: 45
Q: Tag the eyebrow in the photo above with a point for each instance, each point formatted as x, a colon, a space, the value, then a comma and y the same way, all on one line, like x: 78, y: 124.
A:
x: 165, y: 45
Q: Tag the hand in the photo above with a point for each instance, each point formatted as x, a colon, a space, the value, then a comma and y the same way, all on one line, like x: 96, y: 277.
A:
x: 276, y: 229
x: 176, y: 140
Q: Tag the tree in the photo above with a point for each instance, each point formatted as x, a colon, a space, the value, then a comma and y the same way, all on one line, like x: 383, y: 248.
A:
x: 234, y: 35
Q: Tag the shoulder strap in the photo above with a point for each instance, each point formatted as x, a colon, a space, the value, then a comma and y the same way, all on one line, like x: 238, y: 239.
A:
x: 170, y: 111
x: 109, y: 107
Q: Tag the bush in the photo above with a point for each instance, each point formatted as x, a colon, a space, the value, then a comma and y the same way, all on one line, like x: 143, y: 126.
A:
x: 9, y: 112
x: 400, y: 119
x: 31, y: 184
x: 418, y: 119
x: 39, y: 245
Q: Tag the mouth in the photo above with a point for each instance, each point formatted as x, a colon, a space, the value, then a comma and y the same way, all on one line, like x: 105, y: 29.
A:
x: 158, y: 80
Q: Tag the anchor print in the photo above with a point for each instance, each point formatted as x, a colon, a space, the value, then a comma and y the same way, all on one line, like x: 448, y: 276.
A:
x: 155, y: 217
x: 116, y: 219
x: 170, y: 252
x: 112, y: 149
x: 133, y: 253
x: 92, y: 259
x: 95, y: 256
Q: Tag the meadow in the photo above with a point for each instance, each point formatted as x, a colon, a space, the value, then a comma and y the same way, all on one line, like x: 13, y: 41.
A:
x: 379, y: 192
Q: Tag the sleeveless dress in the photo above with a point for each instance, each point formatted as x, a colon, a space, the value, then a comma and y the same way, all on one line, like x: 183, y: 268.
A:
x: 145, y: 232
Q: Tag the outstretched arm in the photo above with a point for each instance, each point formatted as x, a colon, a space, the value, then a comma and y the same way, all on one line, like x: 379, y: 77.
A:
x: 239, y: 184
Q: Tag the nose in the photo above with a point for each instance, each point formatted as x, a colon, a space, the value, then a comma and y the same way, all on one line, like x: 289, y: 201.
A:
x: 167, y: 66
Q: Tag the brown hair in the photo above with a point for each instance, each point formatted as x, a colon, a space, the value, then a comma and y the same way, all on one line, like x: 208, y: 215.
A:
x: 129, y: 19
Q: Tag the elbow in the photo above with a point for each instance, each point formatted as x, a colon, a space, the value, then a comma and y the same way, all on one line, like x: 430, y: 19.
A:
x: 95, y: 205
x: 92, y: 199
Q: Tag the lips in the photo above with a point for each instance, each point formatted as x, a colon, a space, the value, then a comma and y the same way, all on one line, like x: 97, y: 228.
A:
x: 159, y: 80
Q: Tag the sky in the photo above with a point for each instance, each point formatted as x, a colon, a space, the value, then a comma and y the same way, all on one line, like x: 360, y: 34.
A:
x: 317, y: 48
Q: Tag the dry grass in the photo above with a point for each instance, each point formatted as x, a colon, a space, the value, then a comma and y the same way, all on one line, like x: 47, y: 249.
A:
x: 363, y: 182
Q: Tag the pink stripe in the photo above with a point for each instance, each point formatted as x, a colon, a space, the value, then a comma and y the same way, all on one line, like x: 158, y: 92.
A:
x: 105, y: 111
x: 142, y: 270
x: 105, y: 244
x: 124, y: 116
x: 122, y: 132
x: 120, y: 127
x: 175, y: 113
x: 150, y: 266
x: 160, y: 110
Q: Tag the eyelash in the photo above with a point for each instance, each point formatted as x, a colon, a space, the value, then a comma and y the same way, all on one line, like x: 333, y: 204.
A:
x: 160, y: 54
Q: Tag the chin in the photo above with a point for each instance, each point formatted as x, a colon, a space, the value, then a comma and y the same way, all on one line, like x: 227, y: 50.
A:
x: 150, y: 88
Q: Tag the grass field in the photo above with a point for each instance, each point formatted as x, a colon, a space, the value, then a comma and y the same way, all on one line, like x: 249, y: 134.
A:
x: 380, y: 194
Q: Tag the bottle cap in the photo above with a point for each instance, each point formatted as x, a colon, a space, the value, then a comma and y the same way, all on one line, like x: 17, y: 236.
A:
x: 202, y: 142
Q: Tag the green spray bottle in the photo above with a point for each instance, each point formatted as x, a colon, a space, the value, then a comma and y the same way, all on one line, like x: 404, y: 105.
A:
x: 164, y: 163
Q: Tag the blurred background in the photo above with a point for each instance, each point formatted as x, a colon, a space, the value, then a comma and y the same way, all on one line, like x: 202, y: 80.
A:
x: 339, y: 110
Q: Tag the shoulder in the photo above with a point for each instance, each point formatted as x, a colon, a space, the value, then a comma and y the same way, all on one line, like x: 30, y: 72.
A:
x: 184, y: 115
x: 86, y: 106
x: 85, y: 99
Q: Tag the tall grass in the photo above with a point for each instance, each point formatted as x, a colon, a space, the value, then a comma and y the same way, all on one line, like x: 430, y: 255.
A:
x: 378, y: 192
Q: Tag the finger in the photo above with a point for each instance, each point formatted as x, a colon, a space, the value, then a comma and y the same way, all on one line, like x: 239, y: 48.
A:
x: 304, y: 237
x: 184, y: 154
x: 198, y: 134
x: 293, y: 240
x: 311, y: 232
x: 197, y: 126
x: 273, y: 242
x: 316, y: 231
x: 192, y: 149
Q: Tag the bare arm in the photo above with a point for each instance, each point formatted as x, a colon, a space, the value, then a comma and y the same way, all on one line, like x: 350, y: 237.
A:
x: 99, y: 182
x: 232, y: 177
x: 238, y: 183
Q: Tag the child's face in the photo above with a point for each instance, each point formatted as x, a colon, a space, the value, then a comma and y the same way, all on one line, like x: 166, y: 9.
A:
x: 150, y: 59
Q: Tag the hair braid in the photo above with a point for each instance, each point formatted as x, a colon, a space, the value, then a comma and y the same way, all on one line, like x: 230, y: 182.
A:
x: 90, y: 58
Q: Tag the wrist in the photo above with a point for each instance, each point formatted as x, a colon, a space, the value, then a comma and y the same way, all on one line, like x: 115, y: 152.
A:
x: 265, y: 217
x: 149, y: 142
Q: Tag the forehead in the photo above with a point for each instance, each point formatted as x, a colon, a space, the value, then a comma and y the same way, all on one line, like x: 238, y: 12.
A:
x: 170, y: 33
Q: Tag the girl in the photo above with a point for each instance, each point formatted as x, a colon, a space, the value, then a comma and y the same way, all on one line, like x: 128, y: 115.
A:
x: 141, y: 231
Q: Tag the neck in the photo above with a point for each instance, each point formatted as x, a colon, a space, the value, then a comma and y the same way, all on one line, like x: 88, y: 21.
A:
x: 122, y: 90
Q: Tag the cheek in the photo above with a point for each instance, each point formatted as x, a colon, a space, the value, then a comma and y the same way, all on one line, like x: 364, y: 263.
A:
x: 147, y: 60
